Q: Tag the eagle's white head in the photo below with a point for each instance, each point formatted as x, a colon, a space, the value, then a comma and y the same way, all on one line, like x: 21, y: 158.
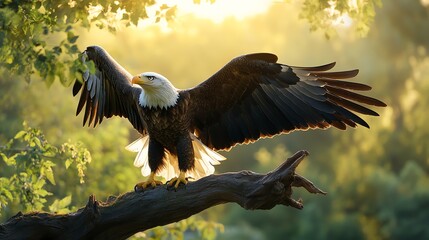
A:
x: 157, y: 90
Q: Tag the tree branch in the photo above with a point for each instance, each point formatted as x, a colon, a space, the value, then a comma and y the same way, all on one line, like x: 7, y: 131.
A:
x: 132, y: 212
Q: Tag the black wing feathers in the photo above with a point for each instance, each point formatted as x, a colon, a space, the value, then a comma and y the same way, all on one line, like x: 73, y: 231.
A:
x: 354, y: 96
x: 253, y: 97
x: 106, y: 90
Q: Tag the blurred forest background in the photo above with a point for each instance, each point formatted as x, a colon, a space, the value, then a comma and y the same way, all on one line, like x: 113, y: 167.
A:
x: 377, y: 179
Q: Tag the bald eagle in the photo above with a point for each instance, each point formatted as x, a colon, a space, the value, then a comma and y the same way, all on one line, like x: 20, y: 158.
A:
x: 251, y: 97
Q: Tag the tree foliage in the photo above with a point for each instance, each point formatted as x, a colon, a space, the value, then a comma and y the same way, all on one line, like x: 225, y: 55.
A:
x: 327, y: 15
x: 28, y: 27
x: 30, y: 159
x: 193, y: 228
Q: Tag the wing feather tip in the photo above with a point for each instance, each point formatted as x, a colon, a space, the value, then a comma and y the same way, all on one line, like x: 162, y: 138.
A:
x: 76, y: 87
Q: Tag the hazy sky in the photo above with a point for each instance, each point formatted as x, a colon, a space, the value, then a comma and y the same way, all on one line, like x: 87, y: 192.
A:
x: 224, y: 8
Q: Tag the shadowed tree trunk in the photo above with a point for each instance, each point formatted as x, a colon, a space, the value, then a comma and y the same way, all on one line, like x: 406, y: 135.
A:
x: 134, y: 212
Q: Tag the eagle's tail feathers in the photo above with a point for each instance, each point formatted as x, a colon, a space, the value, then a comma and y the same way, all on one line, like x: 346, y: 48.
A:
x: 205, y: 158
x: 141, y: 146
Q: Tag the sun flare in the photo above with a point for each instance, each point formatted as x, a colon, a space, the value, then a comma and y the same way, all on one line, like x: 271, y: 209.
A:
x: 222, y: 9
x: 216, y: 12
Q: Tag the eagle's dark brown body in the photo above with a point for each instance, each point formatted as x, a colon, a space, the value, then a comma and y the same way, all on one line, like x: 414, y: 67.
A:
x: 169, y: 129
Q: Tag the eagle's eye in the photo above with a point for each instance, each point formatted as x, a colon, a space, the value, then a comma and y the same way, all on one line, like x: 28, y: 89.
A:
x: 150, y: 78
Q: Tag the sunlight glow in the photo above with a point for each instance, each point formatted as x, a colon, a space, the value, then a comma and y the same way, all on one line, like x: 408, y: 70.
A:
x: 72, y: 3
x: 112, y: 19
x: 94, y: 11
x: 339, y: 19
x: 343, y: 20
x: 222, y: 9
x: 216, y: 12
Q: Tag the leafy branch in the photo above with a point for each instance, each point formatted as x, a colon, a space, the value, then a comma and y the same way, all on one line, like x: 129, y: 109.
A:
x: 38, y: 37
x: 329, y: 15
x: 29, y: 169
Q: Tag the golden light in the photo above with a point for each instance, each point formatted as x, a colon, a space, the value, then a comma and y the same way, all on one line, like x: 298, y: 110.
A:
x: 337, y: 18
x: 222, y: 9
x: 216, y: 12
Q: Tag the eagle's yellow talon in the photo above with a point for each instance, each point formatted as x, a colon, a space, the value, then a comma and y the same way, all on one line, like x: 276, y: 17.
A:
x: 177, y: 180
x: 149, y: 182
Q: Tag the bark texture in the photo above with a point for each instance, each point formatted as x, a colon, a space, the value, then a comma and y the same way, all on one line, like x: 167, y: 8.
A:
x: 132, y: 212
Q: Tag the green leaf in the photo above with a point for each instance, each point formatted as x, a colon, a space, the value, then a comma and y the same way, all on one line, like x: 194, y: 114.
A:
x: 7, y: 194
x: 42, y: 193
x: 134, y: 19
x: 68, y: 163
x: 46, y: 171
x: 3, y: 156
x: 71, y: 38
x: 74, y: 48
x: 50, y: 175
x: 20, y: 134
x: 36, y: 142
x: 38, y: 4
x: 39, y: 184
x: 65, y: 202
x: 5, y: 188
x: 10, y: 161
x: 169, y: 15
x: 57, y: 50
x: 209, y: 233
x: 60, y: 206
x: 164, y: 7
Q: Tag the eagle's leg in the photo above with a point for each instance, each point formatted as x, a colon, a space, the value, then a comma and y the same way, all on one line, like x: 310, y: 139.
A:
x: 149, y: 182
x: 156, y: 154
x: 177, y: 180
x: 185, y: 156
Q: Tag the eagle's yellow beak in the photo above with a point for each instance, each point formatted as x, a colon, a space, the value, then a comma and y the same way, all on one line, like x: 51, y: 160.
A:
x: 138, y: 80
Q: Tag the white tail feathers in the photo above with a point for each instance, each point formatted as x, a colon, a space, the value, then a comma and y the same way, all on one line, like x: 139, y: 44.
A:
x: 205, y: 159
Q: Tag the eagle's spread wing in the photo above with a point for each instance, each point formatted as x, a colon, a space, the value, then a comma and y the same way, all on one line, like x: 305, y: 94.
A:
x: 253, y: 97
x: 107, y: 91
